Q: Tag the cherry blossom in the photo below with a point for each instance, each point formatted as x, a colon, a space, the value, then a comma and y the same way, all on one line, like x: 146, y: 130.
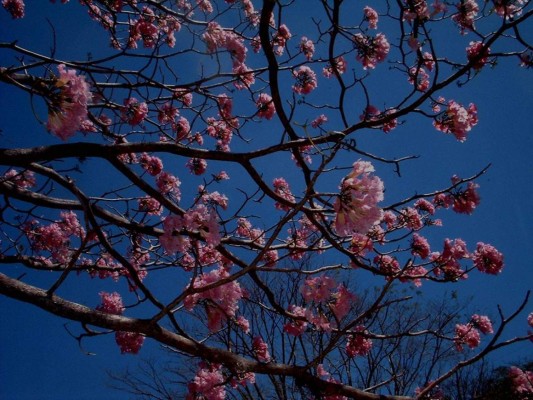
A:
x: 371, y: 16
x: 509, y: 8
x: 208, y: 384
x: 197, y: 166
x: 319, y: 121
x: 477, y: 54
x: 151, y: 164
x: 261, y: 349
x: 487, y: 259
x: 307, y: 47
x: 23, y: 180
x: 280, y: 39
x: 111, y: 303
x: 150, y: 206
x: 343, y: 302
x: 466, y: 201
x: 371, y: 50
x: 134, y: 112
x: 14, y: 7
x: 282, y: 189
x: 356, y: 206
x: 482, y: 322
x: 419, y: 78
x: 457, y: 120
x: 420, y: 246
x: 297, y: 326
x: 69, y: 110
x: 358, y: 344
x: 305, y: 80
x: 318, y: 289
x: 129, y: 342
x: 522, y: 381
x: 339, y: 65
x: 265, y: 106
x: 467, y: 11
x: 417, y: 9
x: 466, y: 334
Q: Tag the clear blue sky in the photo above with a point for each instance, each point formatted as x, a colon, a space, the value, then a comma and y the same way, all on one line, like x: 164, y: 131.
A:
x: 38, y: 358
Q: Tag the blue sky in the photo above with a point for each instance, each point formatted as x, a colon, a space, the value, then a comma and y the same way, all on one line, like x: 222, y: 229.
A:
x: 40, y: 360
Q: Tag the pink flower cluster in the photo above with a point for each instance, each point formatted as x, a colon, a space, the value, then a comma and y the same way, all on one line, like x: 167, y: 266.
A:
x: 372, y: 113
x: 133, y: 111
x: 298, y: 325
x: 129, y: 342
x: 260, y: 349
x: 22, y: 180
x: 522, y: 382
x: 416, y: 9
x: 197, y: 166
x: 457, y: 120
x: 477, y: 54
x: 449, y: 261
x: 111, y: 303
x: 150, y: 28
x: 356, y: 207
x: 68, y: 111
x: 358, y: 344
x: 467, y: 11
x: 339, y: 65
x: 509, y: 8
x: 371, y: 50
x: 14, y: 7
x: 487, y: 259
x: 419, y: 78
x: 305, y: 80
x: 265, y: 106
x: 222, y: 298
x: 280, y: 38
x: 466, y: 201
x: 208, y: 384
x: 469, y: 333
x: 307, y: 47
x: 282, y: 189
x: 319, y: 121
x: 55, y: 238
x: 371, y: 16
x: 150, y: 206
x: 318, y: 289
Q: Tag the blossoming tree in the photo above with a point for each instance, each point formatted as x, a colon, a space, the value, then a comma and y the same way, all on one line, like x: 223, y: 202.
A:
x: 226, y: 134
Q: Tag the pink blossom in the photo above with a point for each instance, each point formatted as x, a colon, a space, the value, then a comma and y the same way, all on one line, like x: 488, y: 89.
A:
x: 14, y: 7
x: 261, y: 349
x: 224, y: 298
x: 339, y: 65
x: 151, y: 164
x: 424, y: 205
x: 465, y: 202
x: 133, y: 111
x: 482, y: 322
x: 417, y: 9
x: 344, y: 301
x: 144, y: 29
x: 467, y: 11
x: 215, y: 199
x: 372, y: 113
x: 245, y: 76
x: 243, y: 323
x: 388, y: 265
x: 371, y: 50
x: 22, y: 180
x: 319, y: 121
x: 197, y: 166
x: 150, y: 206
x: 297, y: 326
x: 371, y: 16
x: 522, y: 382
x: 420, y: 78
x: 305, y: 80
x: 411, y: 218
x: 182, y: 128
x: 201, y: 219
x: 318, y: 289
x: 477, y: 54
x: 428, y: 60
x: 265, y: 106
x: 69, y: 110
x: 361, y: 244
x: 420, y: 246
x: 509, y: 9
x: 307, y: 47
x: 280, y: 38
x: 438, y: 7
x: 356, y: 206
x: 205, y: 6
x: 184, y: 96
x: 167, y: 113
x: 487, y: 259
x: 129, y: 342
x: 111, y: 303
x: 282, y: 189
x: 208, y: 384
x: 168, y: 183
x: 466, y: 334
x: 358, y: 344
x: 457, y: 120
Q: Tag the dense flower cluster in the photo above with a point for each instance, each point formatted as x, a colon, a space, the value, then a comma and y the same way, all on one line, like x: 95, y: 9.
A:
x: 14, y: 7
x: 467, y: 11
x: 477, y: 54
x: 208, y: 384
x: 305, y: 80
x: 134, y: 112
x: 23, y: 179
x: 469, y: 333
x: 111, y: 303
x: 282, y: 189
x: 487, y: 259
x: 129, y: 342
x: 339, y: 65
x: 371, y: 50
x: 371, y: 16
x: 356, y: 207
x: 522, y: 382
x: 358, y: 344
x: 457, y: 120
x: 265, y: 106
x: 68, y: 111
x: 261, y: 349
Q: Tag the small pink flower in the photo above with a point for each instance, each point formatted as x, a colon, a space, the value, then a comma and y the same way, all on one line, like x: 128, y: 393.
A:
x: 420, y: 78
x: 297, y: 326
x: 14, y: 7
x: 168, y: 183
x: 129, y: 342
x: 467, y: 11
x: 466, y: 334
x: 476, y: 51
x: 457, y: 120
x: 318, y: 289
x: 261, y: 349
x: 282, y: 189
x: 265, y: 106
x: 522, y: 382
x: 307, y: 47
x: 344, y: 301
x: 482, y: 322
x: 151, y: 164
x: 305, y: 80
x: 197, y: 166
x: 358, y: 344
x: 371, y: 50
x: 420, y: 246
x: 208, y: 384
x: 133, y: 111
x: 22, y: 180
x: 319, y: 121
x: 150, y: 206
x: 339, y: 65
x: 111, y: 303
x: 487, y: 259
x: 356, y: 206
x: 280, y: 38
x: 371, y: 16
